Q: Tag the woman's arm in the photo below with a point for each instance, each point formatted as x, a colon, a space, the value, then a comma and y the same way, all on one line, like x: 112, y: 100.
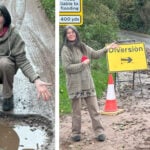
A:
x: 67, y: 62
x: 18, y: 52
x: 97, y: 54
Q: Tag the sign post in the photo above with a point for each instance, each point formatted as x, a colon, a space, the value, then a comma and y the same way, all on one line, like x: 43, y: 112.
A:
x: 71, y: 12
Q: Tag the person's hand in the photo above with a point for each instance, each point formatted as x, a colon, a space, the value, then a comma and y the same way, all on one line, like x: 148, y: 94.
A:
x: 87, y: 61
x: 42, y: 89
x: 112, y: 45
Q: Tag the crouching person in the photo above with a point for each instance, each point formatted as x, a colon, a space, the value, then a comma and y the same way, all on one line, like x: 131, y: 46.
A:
x: 12, y: 57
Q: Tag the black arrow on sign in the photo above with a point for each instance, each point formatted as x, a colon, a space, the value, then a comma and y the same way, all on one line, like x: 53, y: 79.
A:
x: 126, y: 59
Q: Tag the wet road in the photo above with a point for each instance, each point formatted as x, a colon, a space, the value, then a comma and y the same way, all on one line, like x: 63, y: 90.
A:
x: 38, y: 34
x: 139, y: 37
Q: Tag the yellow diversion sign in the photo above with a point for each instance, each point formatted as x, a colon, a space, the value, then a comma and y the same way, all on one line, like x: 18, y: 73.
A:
x: 127, y: 57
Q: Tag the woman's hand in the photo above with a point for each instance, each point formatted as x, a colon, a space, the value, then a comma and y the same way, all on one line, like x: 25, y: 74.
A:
x: 87, y: 61
x: 42, y: 89
x: 112, y: 45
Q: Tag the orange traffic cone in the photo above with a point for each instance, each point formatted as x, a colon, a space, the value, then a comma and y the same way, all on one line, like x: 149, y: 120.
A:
x: 111, y: 102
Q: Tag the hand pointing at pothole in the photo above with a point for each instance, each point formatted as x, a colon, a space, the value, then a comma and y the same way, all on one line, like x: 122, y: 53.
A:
x: 42, y: 89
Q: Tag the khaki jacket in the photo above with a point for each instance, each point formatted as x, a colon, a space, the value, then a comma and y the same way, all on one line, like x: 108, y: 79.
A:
x: 12, y: 45
x: 78, y: 75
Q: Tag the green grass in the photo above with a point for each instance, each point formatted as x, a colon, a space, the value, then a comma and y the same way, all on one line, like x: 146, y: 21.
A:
x: 65, y: 105
x: 100, y: 75
x: 49, y: 7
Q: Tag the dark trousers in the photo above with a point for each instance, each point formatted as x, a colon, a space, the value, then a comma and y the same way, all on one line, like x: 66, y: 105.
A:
x: 7, y: 72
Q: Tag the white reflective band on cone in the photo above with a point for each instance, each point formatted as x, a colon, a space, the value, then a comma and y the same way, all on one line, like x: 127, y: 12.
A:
x: 111, y: 92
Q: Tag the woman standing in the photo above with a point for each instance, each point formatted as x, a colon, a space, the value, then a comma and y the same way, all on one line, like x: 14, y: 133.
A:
x: 76, y: 58
x: 12, y: 57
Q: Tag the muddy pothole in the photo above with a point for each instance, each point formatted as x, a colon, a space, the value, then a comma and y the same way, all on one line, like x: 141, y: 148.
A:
x: 23, y: 132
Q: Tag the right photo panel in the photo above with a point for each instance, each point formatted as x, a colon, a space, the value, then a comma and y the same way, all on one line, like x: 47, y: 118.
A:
x: 104, y: 75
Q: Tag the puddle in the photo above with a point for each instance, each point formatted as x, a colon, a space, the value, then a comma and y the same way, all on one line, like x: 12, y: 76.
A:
x: 9, y: 140
x: 21, y: 138
x: 30, y: 138
x: 25, y: 133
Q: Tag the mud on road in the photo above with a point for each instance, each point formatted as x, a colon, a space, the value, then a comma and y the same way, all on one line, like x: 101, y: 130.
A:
x: 38, y: 33
x: 127, y: 131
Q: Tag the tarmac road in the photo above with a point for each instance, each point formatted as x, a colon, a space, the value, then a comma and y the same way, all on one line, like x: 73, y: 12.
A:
x: 138, y: 37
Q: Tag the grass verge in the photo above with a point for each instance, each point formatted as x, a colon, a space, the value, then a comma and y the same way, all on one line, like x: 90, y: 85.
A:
x: 49, y: 7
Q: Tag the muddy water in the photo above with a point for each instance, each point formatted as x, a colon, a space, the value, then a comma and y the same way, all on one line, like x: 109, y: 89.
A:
x: 21, y: 138
x: 9, y: 139
x: 25, y: 132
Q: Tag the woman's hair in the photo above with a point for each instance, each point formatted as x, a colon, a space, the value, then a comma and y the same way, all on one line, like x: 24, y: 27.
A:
x: 5, y: 13
x: 76, y: 43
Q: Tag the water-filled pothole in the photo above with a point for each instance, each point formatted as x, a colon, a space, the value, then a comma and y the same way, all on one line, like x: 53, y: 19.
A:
x: 30, y: 138
x: 8, y: 138
x: 25, y: 133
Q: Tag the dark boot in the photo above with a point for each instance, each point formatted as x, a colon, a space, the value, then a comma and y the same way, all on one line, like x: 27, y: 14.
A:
x: 8, y: 104
x: 101, y: 137
x: 76, y: 138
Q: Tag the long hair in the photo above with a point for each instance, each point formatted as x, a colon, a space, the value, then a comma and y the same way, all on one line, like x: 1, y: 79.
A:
x: 76, y: 43
x: 5, y: 13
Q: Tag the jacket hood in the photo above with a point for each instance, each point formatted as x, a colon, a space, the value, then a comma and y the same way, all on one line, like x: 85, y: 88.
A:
x: 7, y: 34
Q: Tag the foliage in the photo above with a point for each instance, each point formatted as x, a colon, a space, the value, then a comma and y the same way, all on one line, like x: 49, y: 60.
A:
x: 100, y: 24
x: 49, y: 7
x: 134, y: 15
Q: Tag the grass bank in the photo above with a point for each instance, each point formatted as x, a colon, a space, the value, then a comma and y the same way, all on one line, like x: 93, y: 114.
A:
x: 49, y: 7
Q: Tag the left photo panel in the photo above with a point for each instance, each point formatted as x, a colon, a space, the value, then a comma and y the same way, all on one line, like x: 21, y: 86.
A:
x: 27, y: 74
